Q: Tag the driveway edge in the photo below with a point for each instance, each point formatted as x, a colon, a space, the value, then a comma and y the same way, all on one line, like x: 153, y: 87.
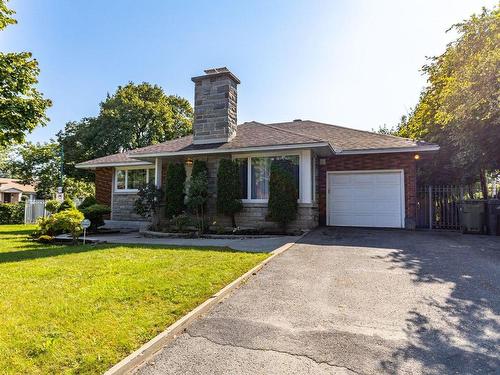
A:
x: 149, y: 349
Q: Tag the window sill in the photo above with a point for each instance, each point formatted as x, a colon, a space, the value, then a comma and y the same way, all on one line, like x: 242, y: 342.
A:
x: 126, y: 191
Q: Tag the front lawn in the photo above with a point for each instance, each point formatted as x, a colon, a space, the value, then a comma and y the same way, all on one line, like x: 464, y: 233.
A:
x: 81, y: 309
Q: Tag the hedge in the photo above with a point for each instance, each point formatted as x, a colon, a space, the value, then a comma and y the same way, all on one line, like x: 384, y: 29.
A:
x: 12, y: 213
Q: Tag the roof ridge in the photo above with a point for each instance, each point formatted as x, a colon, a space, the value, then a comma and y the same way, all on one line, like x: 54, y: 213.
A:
x: 362, y: 131
x: 292, y: 132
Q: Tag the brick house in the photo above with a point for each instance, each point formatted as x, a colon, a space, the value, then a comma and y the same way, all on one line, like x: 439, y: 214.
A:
x: 345, y: 177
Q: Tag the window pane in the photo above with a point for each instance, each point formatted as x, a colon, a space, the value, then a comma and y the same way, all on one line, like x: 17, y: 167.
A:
x: 136, y: 178
x: 243, y: 163
x: 151, y: 176
x: 295, y: 163
x: 260, y: 177
x: 120, y: 179
x: 260, y: 173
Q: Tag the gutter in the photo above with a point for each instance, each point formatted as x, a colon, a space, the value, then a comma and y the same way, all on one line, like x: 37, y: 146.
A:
x: 426, y: 148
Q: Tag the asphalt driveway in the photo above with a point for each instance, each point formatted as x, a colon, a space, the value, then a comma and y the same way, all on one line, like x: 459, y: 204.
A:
x: 349, y: 301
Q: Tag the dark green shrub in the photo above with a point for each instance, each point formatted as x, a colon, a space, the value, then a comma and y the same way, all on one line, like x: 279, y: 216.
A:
x: 52, y: 206
x: 12, y: 213
x: 87, y: 202
x: 199, y: 166
x: 174, y: 189
x: 148, y: 203
x: 197, y: 198
x: 95, y: 214
x: 283, y: 195
x: 67, y: 204
x: 229, y: 189
x: 180, y: 222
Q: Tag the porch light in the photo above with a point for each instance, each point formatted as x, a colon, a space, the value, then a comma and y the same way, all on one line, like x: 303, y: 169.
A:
x: 417, y: 156
x: 189, y: 161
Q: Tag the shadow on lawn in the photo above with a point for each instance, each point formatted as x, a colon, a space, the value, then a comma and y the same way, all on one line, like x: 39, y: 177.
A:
x: 465, y: 340
x: 34, y: 250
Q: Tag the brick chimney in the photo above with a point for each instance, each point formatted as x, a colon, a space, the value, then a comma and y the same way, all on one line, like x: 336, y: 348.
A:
x: 215, y: 102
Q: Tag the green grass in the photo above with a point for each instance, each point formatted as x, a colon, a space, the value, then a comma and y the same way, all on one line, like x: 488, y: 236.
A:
x: 81, y: 309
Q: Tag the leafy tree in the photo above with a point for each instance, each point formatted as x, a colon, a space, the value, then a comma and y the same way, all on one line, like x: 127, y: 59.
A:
x: 459, y: 109
x: 38, y: 163
x: 174, y: 189
x: 197, y: 198
x: 74, y: 188
x: 136, y: 115
x: 283, y: 195
x: 22, y: 106
x: 229, y: 189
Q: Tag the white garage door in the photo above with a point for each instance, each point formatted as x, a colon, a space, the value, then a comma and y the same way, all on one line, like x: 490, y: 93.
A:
x: 366, y: 199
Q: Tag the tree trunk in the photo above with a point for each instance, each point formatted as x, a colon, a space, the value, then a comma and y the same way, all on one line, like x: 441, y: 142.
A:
x: 484, y: 183
x: 233, y: 221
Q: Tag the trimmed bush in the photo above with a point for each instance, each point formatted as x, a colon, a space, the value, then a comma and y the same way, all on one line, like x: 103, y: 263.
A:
x: 174, y: 189
x: 67, y: 221
x: 229, y: 189
x: 199, y: 166
x: 283, y: 195
x: 67, y: 204
x: 95, y: 214
x: 12, y: 213
x: 197, y: 198
x: 87, y: 202
x: 52, y: 206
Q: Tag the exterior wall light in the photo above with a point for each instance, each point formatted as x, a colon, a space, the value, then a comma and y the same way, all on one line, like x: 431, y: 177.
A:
x: 417, y: 156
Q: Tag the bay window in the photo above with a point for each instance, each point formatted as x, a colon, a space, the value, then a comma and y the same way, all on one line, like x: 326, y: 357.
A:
x: 132, y: 179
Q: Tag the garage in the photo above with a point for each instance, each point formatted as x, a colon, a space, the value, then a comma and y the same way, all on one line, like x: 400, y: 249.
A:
x: 366, y: 198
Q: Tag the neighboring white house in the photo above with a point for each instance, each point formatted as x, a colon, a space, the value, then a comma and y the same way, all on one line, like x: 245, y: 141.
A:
x: 11, y: 191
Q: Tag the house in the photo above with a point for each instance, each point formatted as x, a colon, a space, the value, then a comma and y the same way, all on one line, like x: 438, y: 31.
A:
x: 11, y: 190
x: 345, y: 177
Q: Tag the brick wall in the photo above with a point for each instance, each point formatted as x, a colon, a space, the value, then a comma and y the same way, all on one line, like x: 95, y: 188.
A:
x: 103, y: 186
x: 403, y: 161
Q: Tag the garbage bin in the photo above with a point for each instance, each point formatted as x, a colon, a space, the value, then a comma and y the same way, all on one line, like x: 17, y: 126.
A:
x: 494, y: 217
x: 472, y: 216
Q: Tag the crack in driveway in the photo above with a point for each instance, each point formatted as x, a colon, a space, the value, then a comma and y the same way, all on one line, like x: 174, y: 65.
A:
x: 274, y: 351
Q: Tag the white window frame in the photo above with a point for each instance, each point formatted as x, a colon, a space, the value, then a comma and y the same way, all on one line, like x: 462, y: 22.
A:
x: 304, y: 168
x: 148, y: 168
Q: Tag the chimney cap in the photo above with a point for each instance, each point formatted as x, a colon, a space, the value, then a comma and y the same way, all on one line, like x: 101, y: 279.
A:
x: 216, y: 72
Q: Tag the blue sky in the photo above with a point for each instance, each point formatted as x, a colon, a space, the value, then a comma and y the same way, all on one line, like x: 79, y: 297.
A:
x: 352, y: 63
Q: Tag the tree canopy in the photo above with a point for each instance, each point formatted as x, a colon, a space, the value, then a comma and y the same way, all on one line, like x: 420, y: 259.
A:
x: 136, y: 115
x: 22, y: 106
x: 459, y: 109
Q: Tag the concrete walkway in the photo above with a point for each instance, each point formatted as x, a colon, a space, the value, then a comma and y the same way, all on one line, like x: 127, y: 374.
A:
x: 249, y: 244
x: 346, y: 301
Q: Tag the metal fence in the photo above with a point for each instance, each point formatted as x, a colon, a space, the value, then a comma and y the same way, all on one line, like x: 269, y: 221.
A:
x: 438, y: 206
x: 33, y: 210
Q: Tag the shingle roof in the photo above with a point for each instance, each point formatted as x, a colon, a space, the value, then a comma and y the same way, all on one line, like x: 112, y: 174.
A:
x: 11, y: 183
x: 255, y: 134
x: 120, y: 158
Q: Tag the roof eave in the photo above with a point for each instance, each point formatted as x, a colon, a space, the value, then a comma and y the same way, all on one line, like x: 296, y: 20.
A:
x: 425, y: 148
x: 234, y: 150
x: 116, y: 164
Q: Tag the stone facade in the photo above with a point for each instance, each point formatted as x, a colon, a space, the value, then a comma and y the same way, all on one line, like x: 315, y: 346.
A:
x: 215, y: 102
x: 123, y: 207
x: 405, y: 161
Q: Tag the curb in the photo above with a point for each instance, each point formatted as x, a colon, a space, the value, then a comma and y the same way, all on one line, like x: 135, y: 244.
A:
x: 149, y: 349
